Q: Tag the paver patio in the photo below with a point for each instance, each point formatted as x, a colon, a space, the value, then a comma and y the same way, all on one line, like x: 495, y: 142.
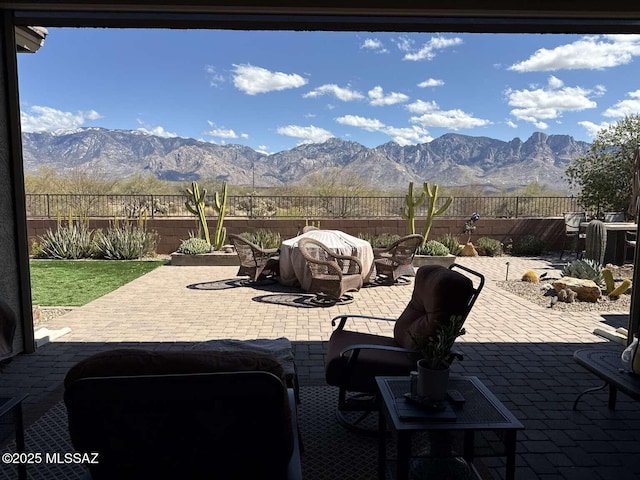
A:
x: 520, y: 350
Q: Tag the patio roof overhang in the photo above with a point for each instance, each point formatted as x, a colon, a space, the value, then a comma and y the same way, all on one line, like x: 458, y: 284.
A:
x: 492, y: 16
x: 30, y: 39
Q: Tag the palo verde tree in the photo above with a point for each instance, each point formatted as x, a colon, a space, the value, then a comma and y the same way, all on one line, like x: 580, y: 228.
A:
x: 604, y: 176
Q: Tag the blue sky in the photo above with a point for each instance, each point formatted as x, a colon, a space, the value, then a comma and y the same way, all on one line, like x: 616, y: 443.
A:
x: 272, y: 91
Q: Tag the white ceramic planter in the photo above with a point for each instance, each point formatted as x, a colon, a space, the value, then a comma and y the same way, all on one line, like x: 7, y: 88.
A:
x: 432, y: 384
x: 445, y: 261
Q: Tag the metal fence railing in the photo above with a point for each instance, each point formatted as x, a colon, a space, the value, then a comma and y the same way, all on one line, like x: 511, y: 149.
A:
x: 272, y: 206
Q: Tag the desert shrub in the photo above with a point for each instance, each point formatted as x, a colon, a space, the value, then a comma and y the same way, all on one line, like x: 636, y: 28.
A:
x: 263, y: 238
x: 67, y: 242
x: 194, y: 246
x: 433, y: 248
x: 124, y: 241
x: 452, y: 243
x: 379, y: 241
x: 528, y: 245
x: 489, y: 247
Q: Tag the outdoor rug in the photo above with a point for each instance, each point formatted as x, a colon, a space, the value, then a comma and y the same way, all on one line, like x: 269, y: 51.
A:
x: 330, y: 452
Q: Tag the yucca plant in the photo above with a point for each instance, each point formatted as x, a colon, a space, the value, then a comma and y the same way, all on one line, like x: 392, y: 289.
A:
x: 66, y: 242
x: 124, y: 241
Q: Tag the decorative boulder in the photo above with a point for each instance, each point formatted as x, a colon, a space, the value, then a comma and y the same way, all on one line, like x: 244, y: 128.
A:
x: 586, y: 290
x: 469, y: 250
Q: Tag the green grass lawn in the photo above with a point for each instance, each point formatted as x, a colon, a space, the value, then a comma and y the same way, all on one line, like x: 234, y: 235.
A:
x: 77, y: 282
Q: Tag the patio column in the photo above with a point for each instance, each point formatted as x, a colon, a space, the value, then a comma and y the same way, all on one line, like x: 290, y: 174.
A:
x: 15, y: 283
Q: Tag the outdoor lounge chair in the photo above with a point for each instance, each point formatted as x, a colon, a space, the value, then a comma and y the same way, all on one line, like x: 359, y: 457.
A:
x: 354, y: 359
x: 396, y: 260
x: 183, y: 415
x: 255, y: 262
x: 332, y: 274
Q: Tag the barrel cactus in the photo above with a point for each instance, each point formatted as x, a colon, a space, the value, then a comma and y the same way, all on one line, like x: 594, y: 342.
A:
x: 586, y: 269
x: 596, y: 241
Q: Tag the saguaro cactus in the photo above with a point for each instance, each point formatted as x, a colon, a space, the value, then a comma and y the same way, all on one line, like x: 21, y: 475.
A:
x: 409, y: 212
x: 197, y: 197
x: 431, y: 192
x: 220, y: 206
x: 596, y: 241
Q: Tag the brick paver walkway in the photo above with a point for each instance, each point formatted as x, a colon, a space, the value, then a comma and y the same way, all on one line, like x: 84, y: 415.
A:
x: 520, y: 350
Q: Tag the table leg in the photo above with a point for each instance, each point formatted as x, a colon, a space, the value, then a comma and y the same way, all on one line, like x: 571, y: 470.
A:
x: 510, y: 448
x: 404, y: 455
x: 468, y: 446
x: 20, y: 447
x: 382, y: 445
x: 613, y: 391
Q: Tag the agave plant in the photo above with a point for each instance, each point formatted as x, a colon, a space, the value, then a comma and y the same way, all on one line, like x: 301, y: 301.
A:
x: 586, y: 269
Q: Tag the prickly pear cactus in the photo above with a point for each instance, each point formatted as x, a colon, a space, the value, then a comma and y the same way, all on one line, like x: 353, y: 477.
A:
x: 586, y: 269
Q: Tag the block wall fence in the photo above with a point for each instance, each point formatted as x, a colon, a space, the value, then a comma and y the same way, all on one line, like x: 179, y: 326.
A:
x: 173, y: 230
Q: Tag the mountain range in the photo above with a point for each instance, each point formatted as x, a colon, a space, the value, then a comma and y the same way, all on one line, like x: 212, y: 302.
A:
x: 449, y: 160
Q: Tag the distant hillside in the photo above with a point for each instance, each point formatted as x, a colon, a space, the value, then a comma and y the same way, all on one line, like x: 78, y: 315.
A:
x: 450, y: 160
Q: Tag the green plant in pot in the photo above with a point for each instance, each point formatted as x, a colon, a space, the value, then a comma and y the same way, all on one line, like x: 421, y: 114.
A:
x: 436, y: 356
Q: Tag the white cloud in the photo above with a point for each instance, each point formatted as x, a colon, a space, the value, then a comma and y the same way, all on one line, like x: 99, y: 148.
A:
x: 593, y: 128
x: 368, y: 124
x: 215, y: 79
x: 157, y: 131
x: 374, y: 44
x: 591, y: 53
x: 402, y: 136
x: 47, y: 119
x: 551, y: 102
x: 431, y: 82
x: 428, y: 50
x: 309, y: 134
x: 430, y: 115
x: 253, y: 80
x: 378, y: 98
x: 344, y: 94
x: 511, y: 124
x: 221, y: 132
x: 625, y: 107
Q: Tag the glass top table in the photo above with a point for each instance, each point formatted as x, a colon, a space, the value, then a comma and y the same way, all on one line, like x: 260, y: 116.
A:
x: 481, y: 411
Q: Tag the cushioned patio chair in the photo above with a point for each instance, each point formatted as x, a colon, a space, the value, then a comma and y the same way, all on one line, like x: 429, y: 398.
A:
x: 183, y: 415
x: 255, y: 262
x: 332, y: 274
x: 397, y: 259
x: 354, y: 358
x: 574, y: 234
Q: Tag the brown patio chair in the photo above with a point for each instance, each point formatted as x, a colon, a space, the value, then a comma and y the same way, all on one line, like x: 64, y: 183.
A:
x: 183, y: 415
x: 255, y: 262
x: 574, y: 234
x: 396, y: 260
x: 354, y: 359
x: 332, y: 274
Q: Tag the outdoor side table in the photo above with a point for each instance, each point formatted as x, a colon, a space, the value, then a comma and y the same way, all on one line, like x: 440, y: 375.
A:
x: 482, y: 411
x: 11, y: 424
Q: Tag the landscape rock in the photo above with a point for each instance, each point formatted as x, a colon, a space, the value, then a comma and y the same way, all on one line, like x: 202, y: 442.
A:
x: 586, y: 290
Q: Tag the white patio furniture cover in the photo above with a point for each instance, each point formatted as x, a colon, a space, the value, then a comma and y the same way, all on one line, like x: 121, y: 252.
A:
x: 293, y: 267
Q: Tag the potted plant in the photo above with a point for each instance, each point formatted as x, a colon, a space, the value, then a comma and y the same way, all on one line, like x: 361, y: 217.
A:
x: 436, y: 357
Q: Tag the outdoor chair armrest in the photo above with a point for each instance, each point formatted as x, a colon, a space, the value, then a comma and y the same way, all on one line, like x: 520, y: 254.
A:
x: 343, y: 319
x: 365, y: 346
